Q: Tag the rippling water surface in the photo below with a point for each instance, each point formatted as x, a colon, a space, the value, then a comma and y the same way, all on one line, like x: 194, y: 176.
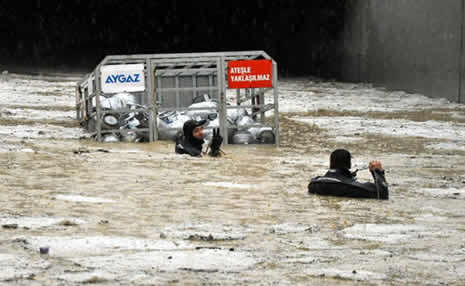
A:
x: 139, y: 214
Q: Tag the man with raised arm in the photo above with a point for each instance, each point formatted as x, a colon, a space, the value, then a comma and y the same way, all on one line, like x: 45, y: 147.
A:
x: 192, y: 140
x: 339, y: 181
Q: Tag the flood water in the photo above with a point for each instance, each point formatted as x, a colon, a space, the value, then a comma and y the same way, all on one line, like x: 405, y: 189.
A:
x: 137, y: 214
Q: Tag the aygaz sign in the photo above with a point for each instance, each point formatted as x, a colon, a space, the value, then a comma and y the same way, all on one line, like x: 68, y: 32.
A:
x: 122, y: 78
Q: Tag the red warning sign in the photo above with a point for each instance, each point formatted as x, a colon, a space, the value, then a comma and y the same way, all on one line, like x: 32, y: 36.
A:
x: 250, y: 74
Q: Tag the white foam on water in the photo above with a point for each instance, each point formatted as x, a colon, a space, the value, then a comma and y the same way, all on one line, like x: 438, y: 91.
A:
x: 388, y: 233
x: 99, y: 245
x: 429, y: 217
x: 194, y: 260
x: 358, y: 275
x: 33, y: 114
x: 88, y: 278
x: 206, y: 232
x: 19, y: 267
x: 442, y: 193
x: 452, y: 145
x: 305, y: 95
x: 40, y: 131
x: 38, y: 222
x: 286, y: 228
x: 7, y: 147
x: 346, y: 139
x: 83, y: 199
x: 36, y: 92
x: 395, y: 127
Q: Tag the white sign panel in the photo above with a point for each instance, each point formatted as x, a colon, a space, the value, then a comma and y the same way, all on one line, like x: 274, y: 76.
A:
x: 122, y: 78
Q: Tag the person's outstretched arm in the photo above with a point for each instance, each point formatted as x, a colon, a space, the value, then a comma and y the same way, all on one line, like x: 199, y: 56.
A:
x: 377, y: 171
x: 216, y: 143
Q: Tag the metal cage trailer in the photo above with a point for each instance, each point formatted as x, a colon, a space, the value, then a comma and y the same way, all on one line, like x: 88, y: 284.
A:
x: 134, y: 98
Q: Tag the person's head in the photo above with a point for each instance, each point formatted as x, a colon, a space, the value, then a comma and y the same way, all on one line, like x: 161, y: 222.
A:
x: 193, y: 129
x: 340, y: 159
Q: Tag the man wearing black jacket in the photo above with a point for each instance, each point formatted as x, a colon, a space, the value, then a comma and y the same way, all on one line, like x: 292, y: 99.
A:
x: 339, y: 181
x: 191, y: 141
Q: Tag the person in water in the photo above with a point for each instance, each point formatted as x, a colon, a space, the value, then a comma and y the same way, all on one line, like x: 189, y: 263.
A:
x: 339, y: 181
x: 192, y: 140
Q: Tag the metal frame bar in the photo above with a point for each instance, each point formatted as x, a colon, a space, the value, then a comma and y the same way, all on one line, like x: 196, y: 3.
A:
x: 124, y: 110
x: 191, y: 71
x: 194, y: 86
x: 149, y: 97
x: 78, y: 103
x: 176, y: 85
x: 222, y: 99
x: 226, y: 55
x: 242, y: 126
x: 276, y: 103
x: 104, y: 131
x: 161, y: 109
x: 165, y: 89
x: 98, y: 90
x: 154, y: 97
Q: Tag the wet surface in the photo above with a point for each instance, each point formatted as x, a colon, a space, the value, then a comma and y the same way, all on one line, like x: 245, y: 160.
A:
x: 119, y: 214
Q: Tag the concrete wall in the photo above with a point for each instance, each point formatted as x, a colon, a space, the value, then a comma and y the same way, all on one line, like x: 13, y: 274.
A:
x: 412, y: 45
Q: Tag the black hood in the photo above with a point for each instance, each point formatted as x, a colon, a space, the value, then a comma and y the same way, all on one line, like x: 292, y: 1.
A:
x: 188, y: 129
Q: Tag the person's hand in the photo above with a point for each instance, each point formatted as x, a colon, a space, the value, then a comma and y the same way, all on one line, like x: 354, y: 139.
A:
x: 375, y: 165
x: 216, y: 142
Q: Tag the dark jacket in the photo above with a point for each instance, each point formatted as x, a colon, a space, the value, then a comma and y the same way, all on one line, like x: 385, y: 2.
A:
x: 341, y: 183
x: 187, y: 143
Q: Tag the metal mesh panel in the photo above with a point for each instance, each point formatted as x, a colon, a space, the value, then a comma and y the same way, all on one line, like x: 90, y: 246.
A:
x: 166, y: 98
x: 185, y: 96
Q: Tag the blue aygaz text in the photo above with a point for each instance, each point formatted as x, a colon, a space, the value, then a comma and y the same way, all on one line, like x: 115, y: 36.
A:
x: 121, y: 78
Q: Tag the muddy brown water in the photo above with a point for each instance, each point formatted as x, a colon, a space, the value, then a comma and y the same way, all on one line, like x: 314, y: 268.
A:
x: 137, y: 214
